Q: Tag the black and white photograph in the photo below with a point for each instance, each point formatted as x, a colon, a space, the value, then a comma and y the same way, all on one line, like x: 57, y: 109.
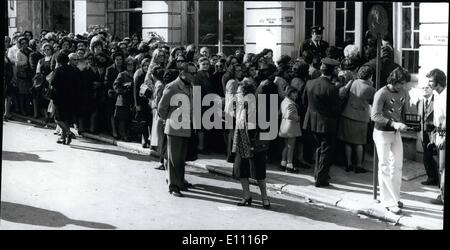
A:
x: 223, y: 115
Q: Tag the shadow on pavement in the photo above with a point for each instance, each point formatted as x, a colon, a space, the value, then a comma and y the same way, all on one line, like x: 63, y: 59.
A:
x: 230, y: 196
x: 24, y: 214
x: 129, y: 155
x: 20, y: 156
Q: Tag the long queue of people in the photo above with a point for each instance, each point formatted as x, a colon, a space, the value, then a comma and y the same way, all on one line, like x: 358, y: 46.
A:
x: 125, y: 88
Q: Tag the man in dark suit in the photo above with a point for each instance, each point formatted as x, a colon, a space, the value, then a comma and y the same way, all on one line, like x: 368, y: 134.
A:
x: 315, y: 44
x: 425, y: 110
x: 321, y: 118
x: 178, y: 128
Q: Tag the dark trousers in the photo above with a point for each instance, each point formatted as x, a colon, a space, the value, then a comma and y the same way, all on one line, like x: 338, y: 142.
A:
x: 163, y: 150
x: 324, y: 156
x: 309, y: 146
x: 177, y: 148
x: 431, y: 166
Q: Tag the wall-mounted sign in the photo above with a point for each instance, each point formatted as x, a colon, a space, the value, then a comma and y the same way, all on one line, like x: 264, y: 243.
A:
x: 433, y: 34
x: 378, y: 20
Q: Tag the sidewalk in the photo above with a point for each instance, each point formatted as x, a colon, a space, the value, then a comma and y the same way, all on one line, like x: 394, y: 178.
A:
x: 350, y: 191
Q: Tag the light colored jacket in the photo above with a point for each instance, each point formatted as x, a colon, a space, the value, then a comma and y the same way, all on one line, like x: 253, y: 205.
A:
x: 174, y: 92
x: 360, y: 97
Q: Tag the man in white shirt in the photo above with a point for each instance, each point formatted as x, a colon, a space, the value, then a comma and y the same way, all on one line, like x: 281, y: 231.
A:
x: 438, y: 82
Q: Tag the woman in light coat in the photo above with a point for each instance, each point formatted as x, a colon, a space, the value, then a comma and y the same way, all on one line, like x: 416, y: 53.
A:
x: 290, y: 127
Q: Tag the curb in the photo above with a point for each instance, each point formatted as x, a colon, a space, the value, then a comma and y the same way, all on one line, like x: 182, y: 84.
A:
x: 308, y: 195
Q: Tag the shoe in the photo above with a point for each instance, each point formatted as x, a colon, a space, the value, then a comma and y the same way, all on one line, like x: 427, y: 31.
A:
x: 68, y: 140
x: 322, y: 184
x: 292, y: 170
x: 283, y: 168
x: 176, y: 193
x: 429, y: 183
x: 266, y: 206
x: 245, y: 202
x: 146, y: 145
x: 161, y: 167
x: 400, y: 204
x: 189, y: 185
x: 360, y: 170
x: 394, y: 209
x: 437, y: 201
x: 348, y: 168
x: 61, y: 141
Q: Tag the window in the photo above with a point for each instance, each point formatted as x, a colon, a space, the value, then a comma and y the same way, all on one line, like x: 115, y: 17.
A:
x: 220, y: 25
x: 345, y: 23
x: 124, y: 18
x: 410, y: 36
x: 313, y: 16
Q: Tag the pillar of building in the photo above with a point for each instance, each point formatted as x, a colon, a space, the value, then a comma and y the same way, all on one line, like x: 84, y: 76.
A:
x: 89, y: 14
x: 162, y: 18
x: 270, y: 25
x: 433, y: 32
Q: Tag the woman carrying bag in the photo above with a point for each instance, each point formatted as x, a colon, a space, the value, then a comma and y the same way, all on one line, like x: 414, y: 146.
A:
x: 250, y: 152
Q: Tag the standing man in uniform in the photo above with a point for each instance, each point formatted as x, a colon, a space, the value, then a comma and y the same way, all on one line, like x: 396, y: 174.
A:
x: 321, y: 118
x: 178, y: 128
x: 315, y: 45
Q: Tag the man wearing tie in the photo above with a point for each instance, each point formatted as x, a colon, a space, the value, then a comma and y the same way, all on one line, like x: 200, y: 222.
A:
x: 425, y: 110
x: 315, y: 45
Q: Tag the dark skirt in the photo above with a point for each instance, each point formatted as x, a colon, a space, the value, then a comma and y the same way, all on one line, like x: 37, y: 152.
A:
x: 352, y: 132
x: 254, y: 168
x: 122, y: 113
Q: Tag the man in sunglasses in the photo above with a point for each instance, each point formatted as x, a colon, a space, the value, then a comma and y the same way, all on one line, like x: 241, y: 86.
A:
x: 175, y: 107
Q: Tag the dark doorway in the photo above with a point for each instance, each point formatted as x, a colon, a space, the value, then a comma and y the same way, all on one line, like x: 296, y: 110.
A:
x: 135, y: 19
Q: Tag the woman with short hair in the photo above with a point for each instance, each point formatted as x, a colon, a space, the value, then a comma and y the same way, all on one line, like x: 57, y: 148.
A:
x: 354, y: 120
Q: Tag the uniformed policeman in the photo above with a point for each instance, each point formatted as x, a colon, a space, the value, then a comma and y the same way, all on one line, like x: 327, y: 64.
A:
x: 321, y: 118
x: 315, y: 44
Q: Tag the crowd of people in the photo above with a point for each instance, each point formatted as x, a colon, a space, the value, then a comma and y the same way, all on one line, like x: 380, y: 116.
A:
x: 124, y: 87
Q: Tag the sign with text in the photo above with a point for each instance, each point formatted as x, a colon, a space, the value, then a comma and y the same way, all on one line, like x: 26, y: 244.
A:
x: 433, y: 34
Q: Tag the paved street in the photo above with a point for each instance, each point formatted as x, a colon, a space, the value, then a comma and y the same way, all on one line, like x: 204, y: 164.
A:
x: 90, y: 185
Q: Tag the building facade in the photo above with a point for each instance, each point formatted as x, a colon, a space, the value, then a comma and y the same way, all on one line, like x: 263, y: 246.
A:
x: 419, y: 30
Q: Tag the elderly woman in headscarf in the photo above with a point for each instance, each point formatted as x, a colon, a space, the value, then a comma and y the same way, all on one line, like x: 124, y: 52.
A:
x: 390, y: 105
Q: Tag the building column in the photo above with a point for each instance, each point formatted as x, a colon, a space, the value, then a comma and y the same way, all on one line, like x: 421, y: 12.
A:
x: 270, y: 25
x: 163, y: 18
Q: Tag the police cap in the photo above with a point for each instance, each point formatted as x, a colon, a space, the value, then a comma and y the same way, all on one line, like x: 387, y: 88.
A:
x: 317, y: 29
